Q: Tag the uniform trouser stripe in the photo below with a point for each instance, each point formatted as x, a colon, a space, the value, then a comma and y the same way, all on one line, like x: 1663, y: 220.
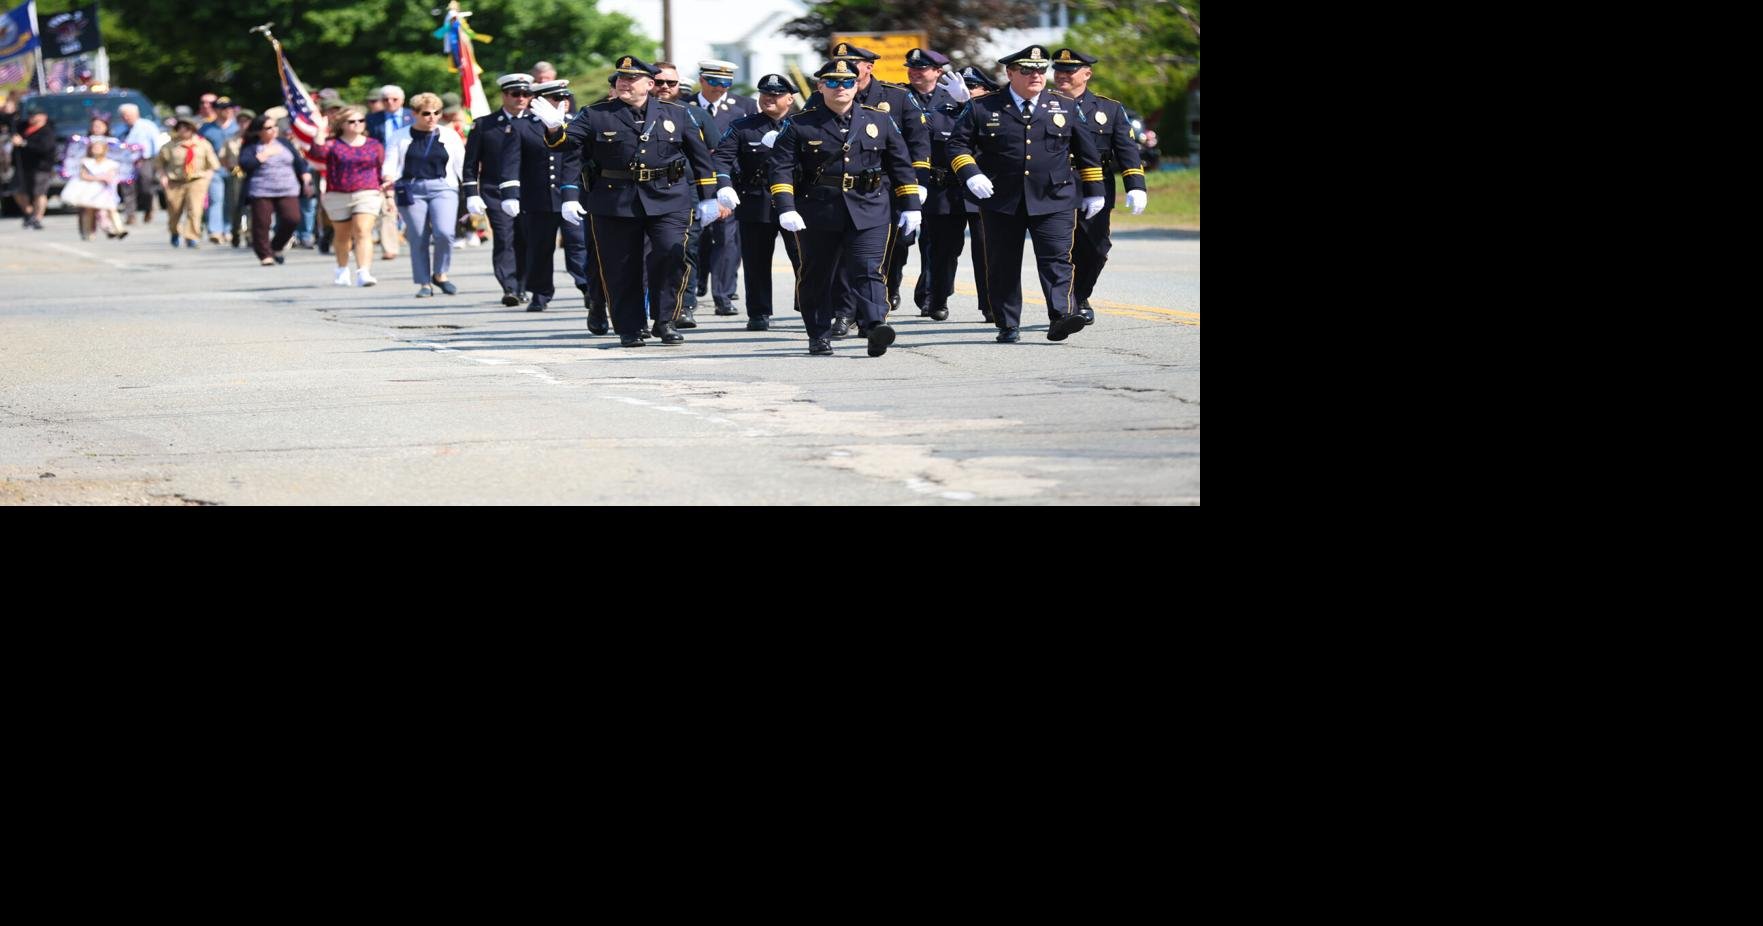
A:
x: 847, y: 256
x: 622, y: 241
x: 1052, y: 236
x: 758, y: 244
x: 1093, y: 244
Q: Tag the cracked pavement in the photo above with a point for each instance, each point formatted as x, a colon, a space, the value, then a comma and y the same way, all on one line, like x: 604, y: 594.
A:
x: 132, y: 374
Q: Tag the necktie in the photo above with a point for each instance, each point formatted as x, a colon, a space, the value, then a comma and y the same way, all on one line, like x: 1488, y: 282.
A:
x: 1028, y: 109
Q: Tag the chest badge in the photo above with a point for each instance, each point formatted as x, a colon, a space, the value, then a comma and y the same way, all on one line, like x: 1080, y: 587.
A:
x: 1101, y: 118
x: 1059, y: 119
x: 871, y: 129
x: 668, y: 125
x: 883, y: 106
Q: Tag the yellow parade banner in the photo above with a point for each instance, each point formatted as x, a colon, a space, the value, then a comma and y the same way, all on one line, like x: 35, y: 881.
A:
x: 890, y: 48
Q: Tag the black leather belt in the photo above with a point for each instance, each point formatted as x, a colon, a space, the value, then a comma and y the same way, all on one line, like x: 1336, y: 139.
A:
x: 840, y: 182
x: 642, y: 176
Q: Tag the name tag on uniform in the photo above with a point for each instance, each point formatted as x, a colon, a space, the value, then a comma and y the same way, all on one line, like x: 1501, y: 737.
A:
x: 610, y: 134
x: 755, y: 144
x: 814, y: 143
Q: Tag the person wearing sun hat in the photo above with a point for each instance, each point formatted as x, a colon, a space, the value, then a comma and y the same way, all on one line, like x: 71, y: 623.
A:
x: 855, y: 173
x: 653, y: 170
x: 1013, y: 151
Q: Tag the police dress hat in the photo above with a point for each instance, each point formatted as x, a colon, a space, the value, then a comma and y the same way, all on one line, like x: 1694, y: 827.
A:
x: 636, y: 67
x: 925, y: 58
x: 509, y: 82
x: 776, y: 83
x: 1066, y: 59
x: 973, y: 75
x: 711, y: 67
x: 849, y: 52
x: 551, y: 88
x: 1032, y: 58
x: 839, y: 69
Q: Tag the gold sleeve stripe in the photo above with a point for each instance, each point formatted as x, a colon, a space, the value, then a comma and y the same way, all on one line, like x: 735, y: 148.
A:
x: 923, y: 164
x: 559, y: 142
x: 783, y: 188
x: 963, y: 161
x: 908, y: 190
x: 1133, y: 172
x: 708, y: 182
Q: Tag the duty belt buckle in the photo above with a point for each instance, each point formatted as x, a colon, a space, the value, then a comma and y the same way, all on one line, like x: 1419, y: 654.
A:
x: 847, y: 182
x: 644, y: 174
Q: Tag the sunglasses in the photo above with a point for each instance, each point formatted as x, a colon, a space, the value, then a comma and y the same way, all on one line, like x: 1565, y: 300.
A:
x: 718, y: 82
x: 667, y: 83
x: 354, y: 121
x: 845, y: 84
x: 426, y: 113
x: 517, y: 93
x: 1028, y: 70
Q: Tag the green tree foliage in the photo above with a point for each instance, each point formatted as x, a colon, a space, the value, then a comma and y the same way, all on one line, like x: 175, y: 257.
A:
x: 956, y: 28
x: 174, y: 50
x: 1148, y: 51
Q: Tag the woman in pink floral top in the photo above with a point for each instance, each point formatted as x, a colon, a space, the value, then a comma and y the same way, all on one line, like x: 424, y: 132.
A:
x: 352, y: 198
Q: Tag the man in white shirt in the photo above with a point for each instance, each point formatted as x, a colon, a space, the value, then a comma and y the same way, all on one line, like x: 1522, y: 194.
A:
x: 141, y: 132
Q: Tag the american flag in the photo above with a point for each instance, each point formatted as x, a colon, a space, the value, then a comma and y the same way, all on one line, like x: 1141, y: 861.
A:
x: 303, y: 112
x: 13, y: 72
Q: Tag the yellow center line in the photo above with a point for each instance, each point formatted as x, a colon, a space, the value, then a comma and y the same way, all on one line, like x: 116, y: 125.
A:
x: 1127, y: 309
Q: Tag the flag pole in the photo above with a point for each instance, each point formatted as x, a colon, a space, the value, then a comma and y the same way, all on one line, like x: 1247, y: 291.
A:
x: 36, y: 30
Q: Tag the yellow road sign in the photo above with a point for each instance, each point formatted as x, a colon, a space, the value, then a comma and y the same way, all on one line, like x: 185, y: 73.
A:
x: 891, y: 47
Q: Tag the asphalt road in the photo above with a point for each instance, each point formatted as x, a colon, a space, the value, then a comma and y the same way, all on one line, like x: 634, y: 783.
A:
x: 131, y: 373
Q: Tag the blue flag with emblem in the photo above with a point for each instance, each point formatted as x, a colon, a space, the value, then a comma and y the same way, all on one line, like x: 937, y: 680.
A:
x: 18, y: 31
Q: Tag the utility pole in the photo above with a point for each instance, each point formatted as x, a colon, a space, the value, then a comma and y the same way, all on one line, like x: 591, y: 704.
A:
x: 667, y: 30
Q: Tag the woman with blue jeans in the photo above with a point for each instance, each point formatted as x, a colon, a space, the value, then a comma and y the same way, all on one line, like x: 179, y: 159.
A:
x: 426, y: 168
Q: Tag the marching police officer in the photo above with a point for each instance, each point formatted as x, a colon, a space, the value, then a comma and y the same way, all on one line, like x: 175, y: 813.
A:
x: 940, y: 98
x: 1038, y: 132
x: 978, y: 84
x: 668, y: 87
x: 743, y: 162
x: 1119, y: 150
x: 849, y: 157
x: 892, y: 99
x: 483, y: 182
x: 548, y: 188
x: 651, y: 167
x: 720, y: 249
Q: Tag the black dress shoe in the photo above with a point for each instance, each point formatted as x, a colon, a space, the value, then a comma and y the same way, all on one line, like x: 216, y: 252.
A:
x: 879, y: 338
x: 727, y: 310
x: 894, y: 301
x: 820, y: 347
x: 841, y: 328
x: 1089, y: 314
x: 759, y: 323
x: 630, y: 340
x: 988, y: 316
x: 1009, y: 336
x: 597, y: 323
x: 687, y: 319
x: 664, y: 331
x: 939, y: 313
x: 509, y: 298
x: 1066, y: 327
x: 538, y: 304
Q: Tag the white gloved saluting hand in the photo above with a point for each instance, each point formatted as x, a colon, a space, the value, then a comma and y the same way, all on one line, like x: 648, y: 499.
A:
x: 1138, y: 200
x: 475, y: 205
x: 956, y: 86
x: 547, y: 112
x: 980, y: 185
x: 792, y: 222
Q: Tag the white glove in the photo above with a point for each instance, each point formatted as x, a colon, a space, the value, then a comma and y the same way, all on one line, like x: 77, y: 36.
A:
x: 980, y: 185
x: 728, y: 197
x: 547, y: 112
x: 770, y: 138
x: 511, y: 208
x: 956, y: 86
x: 573, y: 212
x: 1138, y: 200
x: 475, y: 205
x: 1093, y: 205
x: 707, y: 211
x: 792, y: 222
x: 909, y: 222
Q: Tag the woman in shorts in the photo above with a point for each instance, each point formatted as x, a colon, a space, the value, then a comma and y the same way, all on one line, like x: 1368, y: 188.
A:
x: 352, y: 199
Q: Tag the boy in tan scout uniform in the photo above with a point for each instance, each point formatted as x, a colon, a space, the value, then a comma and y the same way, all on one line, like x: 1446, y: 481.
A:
x: 185, y: 165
